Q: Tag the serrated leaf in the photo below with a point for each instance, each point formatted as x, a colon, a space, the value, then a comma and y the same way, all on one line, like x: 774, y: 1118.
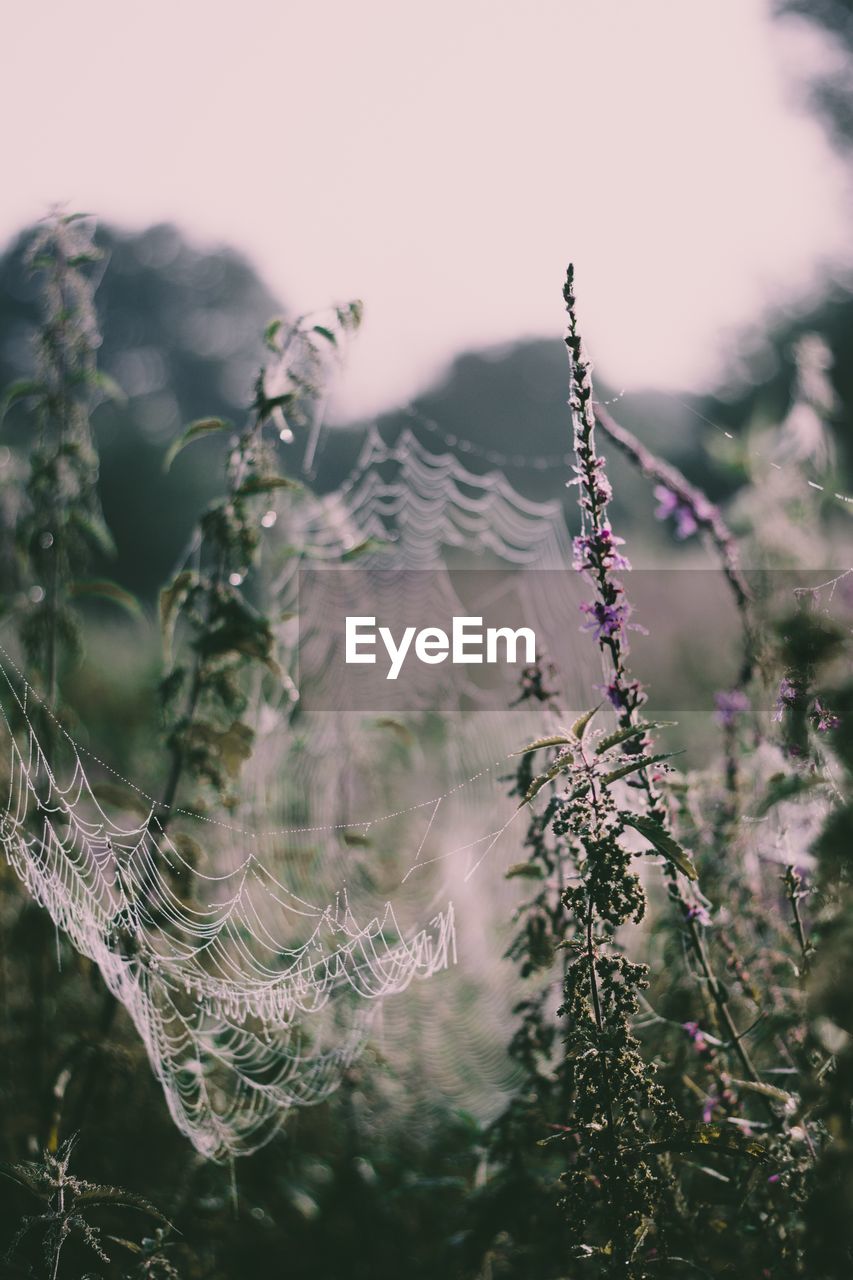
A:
x: 558, y: 740
x: 641, y: 762
x: 661, y: 839
x: 622, y: 735
x: 767, y: 1091
x: 98, y: 1197
x: 104, y: 589
x: 539, y: 782
x: 130, y: 1245
x: 195, y: 431
x: 579, y: 727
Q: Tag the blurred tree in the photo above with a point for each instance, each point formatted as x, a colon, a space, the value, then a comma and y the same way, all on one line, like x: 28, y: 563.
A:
x: 182, y: 330
x: 833, y: 89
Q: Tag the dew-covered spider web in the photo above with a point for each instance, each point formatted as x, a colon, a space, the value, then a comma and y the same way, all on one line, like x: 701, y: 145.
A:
x: 254, y: 954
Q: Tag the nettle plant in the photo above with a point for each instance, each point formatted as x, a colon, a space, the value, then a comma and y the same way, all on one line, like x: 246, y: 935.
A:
x: 219, y: 642
x: 227, y: 636
x: 60, y: 528
x: 698, y: 1118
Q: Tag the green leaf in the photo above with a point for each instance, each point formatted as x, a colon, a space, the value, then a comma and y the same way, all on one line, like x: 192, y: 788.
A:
x: 641, y: 762
x: 558, y: 740
x: 264, y: 484
x: 271, y: 333
x: 523, y: 870
x: 26, y: 1176
x: 85, y: 259
x: 786, y: 787
x: 195, y: 431
x: 93, y: 529
x: 579, y: 727
x: 356, y: 840
x: 350, y: 316
x: 402, y: 731
x: 716, y: 1137
x: 326, y: 333
x: 99, y: 1197
x: 363, y: 548
x: 20, y: 390
x: 662, y: 841
x: 767, y: 1091
x: 171, y: 601
x: 104, y: 589
x: 109, y: 386
x: 622, y: 735
x: 559, y: 766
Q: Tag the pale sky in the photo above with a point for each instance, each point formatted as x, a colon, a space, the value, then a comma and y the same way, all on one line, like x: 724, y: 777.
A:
x: 444, y: 161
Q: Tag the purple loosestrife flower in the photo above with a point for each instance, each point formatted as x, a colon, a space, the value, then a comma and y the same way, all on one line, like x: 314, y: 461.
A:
x: 597, y: 550
x: 602, y: 490
x: 670, y: 505
x: 824, y: 719
x: 786, y: 697
x: 700, y: 915
x: 626, y: 696
x: 605, y: 620
x: 729, y: 706
x: 708, y: 1106
x: 694, y: 1031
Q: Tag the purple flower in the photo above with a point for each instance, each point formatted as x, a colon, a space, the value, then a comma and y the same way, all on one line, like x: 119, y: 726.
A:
x: 786, y: 697
x: 670, y: 505
x: 699, y: 914
x: 598, y: 550
x: 824, y: 719
x: 695, y: 1033
x: 594, y: 480
x: 708, y: 1108
x: 624, y: 696
x: 605, y: 620
x: 729, y: 705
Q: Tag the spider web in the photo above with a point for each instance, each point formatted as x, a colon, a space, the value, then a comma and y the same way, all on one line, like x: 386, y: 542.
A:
x: 251, y: 977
